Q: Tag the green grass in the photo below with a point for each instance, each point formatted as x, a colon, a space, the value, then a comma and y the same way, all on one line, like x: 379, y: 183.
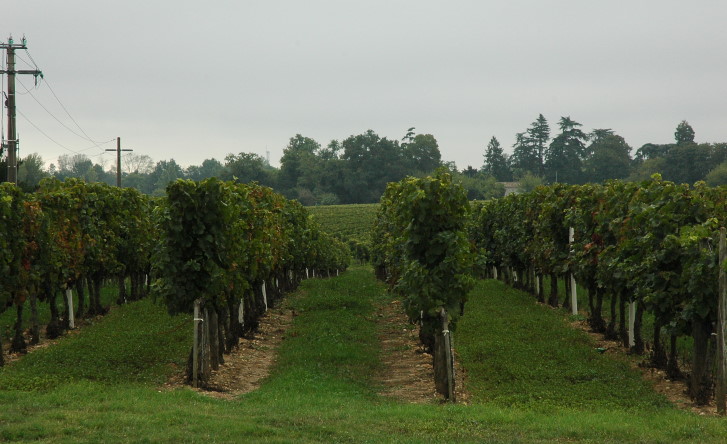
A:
x: 685, y: 344
x: 322, y: 389
x: 109, y: 295
x: 134, y: 343
x: 522, y: 354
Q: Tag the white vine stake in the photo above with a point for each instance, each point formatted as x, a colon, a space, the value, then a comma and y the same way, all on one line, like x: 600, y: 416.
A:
x: 632, y: 321
x: 71, y: 318
x: 241, y: 313
x: 573, y: 293
x: 265, y: 297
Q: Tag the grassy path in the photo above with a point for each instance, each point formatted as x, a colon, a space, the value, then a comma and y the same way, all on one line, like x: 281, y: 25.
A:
x: 522, y: 354
x: 323, y: 390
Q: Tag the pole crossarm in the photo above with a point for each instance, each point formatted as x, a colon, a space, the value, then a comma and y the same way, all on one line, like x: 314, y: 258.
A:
x: 118, y: 159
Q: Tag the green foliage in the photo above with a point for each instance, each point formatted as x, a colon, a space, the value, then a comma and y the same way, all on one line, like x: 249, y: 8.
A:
x: 684, y: 133
x: 609, y: 158
x: 496, y: 162
x: 11, y: 243
x: 220, y: 238
x: 565, y: 154
x: 653, y: 243
x: 529, y: 153
x: 718, y: 176
x: 478, y: 185
x: 419, y: 239
x: 421, y: 154
x: 529, y: 182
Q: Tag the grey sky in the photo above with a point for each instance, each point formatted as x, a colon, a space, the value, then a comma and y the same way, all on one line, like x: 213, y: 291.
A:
x: 191, y: 80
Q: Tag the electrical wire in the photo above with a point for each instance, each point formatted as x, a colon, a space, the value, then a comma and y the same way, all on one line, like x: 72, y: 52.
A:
x: 61, y: 103
x: 50, y: 113
x: 83, y: 134
x: 52, y: 139
x: 97, y: 144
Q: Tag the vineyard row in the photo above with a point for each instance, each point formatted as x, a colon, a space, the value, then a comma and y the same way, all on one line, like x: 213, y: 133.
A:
x: 229, y: 246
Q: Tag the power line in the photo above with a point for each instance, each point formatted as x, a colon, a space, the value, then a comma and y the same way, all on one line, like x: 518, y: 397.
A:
x: 83, y: 134
x: 55, y: 141
x: 70, y: 116
x: 57, y: 119
x: 47, y: 83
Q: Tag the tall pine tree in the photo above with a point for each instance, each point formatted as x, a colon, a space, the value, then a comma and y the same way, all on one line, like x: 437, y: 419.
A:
x: 524, y: 157
x: 564, y: 157
x: 496, y: 162
x: 539, y: 134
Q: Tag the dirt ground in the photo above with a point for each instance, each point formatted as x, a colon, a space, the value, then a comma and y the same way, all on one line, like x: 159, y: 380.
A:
x: 407, y: 372
x: 249, y: 364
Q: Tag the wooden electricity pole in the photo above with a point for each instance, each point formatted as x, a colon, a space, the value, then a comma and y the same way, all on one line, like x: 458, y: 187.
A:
x: 721, y: 308
x: 118, y: 160
x: 12, y: 141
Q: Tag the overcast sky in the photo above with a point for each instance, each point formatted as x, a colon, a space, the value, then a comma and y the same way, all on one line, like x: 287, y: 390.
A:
x: 192, y: 80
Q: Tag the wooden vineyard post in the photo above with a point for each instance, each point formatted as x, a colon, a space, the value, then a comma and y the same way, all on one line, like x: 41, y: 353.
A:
x: 444, y: 360
x: 195, y: 345
x: 721, y: 308
x: 573, y: 293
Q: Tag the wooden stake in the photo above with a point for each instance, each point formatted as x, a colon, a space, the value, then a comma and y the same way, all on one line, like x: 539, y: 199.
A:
x: 448, y: 356
x: 195, y: 358
x: 573, y: 293
x: 721, y: 312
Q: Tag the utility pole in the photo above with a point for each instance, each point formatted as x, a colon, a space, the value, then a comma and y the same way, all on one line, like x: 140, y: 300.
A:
x: 118, y: 160
x: 12, y: 142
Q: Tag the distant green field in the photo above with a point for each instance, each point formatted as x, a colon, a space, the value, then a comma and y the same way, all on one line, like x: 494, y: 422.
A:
x: 346, y: 221
x: 350, y: 223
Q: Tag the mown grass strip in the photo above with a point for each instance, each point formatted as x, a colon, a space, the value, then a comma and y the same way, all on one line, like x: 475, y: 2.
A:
x: 134, y: 343
x: 109, y: 294
x: 518, y: 353
x: 321, y: 391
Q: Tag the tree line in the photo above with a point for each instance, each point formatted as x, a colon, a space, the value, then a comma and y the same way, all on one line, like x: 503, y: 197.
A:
x: 575, y: 157
x: 357, y: 169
